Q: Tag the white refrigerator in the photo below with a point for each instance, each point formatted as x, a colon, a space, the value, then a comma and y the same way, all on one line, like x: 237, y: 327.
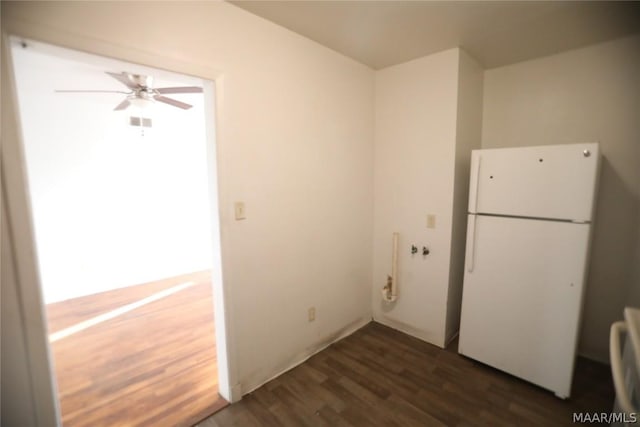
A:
x: 528, y: 233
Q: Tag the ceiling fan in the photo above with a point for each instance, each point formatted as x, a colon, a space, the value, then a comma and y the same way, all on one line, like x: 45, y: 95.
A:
x: 141, y: 91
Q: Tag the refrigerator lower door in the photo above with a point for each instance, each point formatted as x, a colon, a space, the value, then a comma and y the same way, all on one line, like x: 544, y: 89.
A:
x: 522, y: 297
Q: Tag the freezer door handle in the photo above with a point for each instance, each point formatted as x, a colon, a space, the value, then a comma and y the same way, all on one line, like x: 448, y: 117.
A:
x: 471, y: 242
x: 475, y: 182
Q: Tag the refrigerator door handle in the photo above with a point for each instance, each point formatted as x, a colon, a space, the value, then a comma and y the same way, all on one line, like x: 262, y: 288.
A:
x: 471, y: 243
x: 475, y: 182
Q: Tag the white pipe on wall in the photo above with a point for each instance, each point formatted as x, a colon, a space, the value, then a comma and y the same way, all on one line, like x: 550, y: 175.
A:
x: 394, y: 267
x: 390, y: 291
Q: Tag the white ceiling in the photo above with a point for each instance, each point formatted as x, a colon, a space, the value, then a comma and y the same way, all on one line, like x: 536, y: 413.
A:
x: 496, y: 33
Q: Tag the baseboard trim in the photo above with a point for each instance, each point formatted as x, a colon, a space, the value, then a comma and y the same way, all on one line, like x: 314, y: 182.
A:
x: 595, y: 358
x: 410, y: 330
x: 452, y: 339
x: 254, y: 383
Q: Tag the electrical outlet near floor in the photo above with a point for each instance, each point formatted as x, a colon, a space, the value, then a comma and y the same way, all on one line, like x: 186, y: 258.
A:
x: 312, y: 314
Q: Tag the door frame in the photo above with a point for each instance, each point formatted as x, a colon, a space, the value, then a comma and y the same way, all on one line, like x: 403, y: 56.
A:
x: 20, y: 218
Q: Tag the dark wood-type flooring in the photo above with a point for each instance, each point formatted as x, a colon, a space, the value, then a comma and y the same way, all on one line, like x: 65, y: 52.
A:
x: 381, y: 377
x: 153, y: 366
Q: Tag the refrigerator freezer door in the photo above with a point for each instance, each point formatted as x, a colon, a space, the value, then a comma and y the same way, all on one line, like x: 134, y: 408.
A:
x: 555, y: 181
x: 522, y: 297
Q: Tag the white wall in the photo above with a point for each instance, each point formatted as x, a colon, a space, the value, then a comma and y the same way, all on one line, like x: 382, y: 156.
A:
x: 294, y: 143
x: 17, y: 395
x: 589, y: 94
x: 468, y: 132
x: 415, y: 140
x: 112, y: 208
x: 27, y: 386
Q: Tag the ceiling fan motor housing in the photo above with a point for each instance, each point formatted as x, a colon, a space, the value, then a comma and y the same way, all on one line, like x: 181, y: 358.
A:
x: 144, y: 93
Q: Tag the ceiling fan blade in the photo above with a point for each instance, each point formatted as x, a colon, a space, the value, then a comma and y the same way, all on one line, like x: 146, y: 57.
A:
x: 173, y: 102
x: 182, y: 89
x: 123, y: 105
x: 92, y: 91
x: 124, y: 79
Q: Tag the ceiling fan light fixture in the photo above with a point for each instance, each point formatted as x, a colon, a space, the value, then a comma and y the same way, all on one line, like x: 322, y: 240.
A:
x: 140, y: 102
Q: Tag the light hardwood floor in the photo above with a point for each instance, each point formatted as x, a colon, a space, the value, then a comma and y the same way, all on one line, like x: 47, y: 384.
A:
x: 381, y: 377
x: 152, y: 366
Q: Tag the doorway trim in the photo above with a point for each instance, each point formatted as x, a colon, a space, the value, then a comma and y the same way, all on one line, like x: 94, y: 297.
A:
x: 21, y: 219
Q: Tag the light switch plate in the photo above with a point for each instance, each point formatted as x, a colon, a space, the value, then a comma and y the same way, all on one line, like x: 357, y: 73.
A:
x: 240, y: 211
x: 431, y: 221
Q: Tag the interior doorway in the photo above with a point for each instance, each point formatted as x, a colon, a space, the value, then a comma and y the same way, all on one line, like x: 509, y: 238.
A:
x: 121, y: 193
